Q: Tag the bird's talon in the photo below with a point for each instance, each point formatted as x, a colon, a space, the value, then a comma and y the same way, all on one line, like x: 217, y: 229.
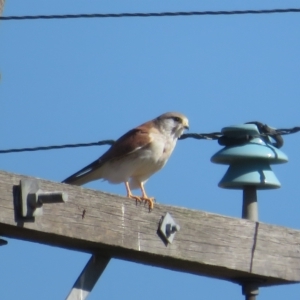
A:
x: 150, y: 202
x: 136, y: 198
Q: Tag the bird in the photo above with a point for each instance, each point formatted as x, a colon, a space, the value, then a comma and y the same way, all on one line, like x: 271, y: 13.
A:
x: 136, y: 155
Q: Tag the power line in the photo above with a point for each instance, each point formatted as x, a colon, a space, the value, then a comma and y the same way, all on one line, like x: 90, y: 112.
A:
x: 100, y: 143
x: 274, y: 133
x: 198, y: 136
x: 144, y: 15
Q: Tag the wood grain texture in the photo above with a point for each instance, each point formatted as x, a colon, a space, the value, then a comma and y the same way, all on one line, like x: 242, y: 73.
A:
x: 207, y: 244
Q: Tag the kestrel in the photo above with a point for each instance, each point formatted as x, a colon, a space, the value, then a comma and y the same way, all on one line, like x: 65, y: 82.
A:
x: 136, y: 155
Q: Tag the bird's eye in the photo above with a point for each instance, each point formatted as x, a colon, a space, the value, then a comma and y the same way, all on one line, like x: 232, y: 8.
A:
x: 177, y: 119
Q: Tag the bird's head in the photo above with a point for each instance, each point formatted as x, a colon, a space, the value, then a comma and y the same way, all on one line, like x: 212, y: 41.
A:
x: 173, y: 122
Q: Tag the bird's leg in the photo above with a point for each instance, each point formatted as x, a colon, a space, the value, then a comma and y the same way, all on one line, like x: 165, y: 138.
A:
x: 146, y: 198
x: 129, y: 194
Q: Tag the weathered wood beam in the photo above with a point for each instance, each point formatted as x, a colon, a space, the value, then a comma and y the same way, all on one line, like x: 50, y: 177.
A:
x: 207, y: 244
x: 1, y: 6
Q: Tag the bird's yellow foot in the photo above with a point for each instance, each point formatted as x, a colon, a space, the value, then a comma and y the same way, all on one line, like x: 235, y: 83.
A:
x: 150, y: 201
x: 136, y: 198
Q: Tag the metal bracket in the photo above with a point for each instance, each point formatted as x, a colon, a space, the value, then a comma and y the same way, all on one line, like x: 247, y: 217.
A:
x: 250, y: 290
x: 168, y: 228
x: 33, y: 198
x: 88, y: 277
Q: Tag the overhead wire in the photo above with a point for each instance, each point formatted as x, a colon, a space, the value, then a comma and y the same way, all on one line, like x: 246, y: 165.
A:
x: 198, y: 136
x: 210, y: 136
x: 155, y: 14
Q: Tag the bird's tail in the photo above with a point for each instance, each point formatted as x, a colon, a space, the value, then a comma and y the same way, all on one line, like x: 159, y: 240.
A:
x: 89, y: 173
x: 78, y: 180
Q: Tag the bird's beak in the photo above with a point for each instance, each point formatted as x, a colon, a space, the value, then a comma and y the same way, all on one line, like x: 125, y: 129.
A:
x: 186, y: 125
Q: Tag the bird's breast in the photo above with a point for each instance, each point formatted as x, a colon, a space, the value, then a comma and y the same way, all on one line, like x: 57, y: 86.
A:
x: 142, y: 163
x: 162, y: 147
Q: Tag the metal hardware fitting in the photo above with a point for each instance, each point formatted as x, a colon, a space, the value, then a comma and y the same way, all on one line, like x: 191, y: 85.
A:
x: 33, y: 198
x: 168, y: 227
x: 250, y: 290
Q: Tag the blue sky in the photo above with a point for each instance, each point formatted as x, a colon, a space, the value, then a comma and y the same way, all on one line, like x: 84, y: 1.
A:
x: 84, y: 80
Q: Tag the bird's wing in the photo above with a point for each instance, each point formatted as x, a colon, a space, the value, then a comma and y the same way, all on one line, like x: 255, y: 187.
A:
x: 130, y: 142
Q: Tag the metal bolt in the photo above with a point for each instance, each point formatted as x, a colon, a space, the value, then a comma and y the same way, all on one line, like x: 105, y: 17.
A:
x: 52, y: 197
x: 175, y: 228
x: 170, y: 228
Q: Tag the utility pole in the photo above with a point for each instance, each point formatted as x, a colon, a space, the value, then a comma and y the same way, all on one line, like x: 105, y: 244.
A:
x: 1, y: 6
